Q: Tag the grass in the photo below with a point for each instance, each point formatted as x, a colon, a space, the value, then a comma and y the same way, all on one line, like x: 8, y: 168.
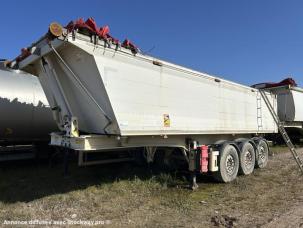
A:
x: 129, y: 195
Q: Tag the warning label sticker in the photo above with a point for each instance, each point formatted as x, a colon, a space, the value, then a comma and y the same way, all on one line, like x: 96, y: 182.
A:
x: 166, y: 120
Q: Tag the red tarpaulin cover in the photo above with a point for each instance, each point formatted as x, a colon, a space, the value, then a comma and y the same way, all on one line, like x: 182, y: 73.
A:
x: 91, y: 27
x: 287, y: 81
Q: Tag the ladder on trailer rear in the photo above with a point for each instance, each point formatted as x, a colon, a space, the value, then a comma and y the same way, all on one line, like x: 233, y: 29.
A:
x: 282, y: 130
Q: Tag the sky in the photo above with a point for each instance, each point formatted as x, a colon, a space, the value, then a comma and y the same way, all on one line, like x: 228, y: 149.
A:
x: 240, y: 40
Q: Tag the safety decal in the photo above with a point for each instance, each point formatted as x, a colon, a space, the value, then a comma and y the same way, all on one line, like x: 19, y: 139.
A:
x: 166, y: 120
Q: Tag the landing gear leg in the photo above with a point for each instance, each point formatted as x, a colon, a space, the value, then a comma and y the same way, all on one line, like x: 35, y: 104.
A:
x: 192, y: 159
x: 193, y: 180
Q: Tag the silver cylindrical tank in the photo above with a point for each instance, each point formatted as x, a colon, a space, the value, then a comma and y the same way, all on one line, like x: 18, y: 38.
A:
x: 25, y: 115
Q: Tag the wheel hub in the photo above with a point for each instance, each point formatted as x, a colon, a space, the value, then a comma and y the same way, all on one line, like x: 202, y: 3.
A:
x: 248, y: 158
x: 230, y: 164
x: 261, y: 153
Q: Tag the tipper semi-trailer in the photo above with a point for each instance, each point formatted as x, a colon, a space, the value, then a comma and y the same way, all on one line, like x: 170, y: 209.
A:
x: 290, y: 107
x: 108, y: 96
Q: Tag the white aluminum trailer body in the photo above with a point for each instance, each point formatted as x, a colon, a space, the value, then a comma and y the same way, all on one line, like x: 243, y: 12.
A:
x: 112, y: 91
x: 107, y: 97
x: 290, y: 110
x: 290, y: 105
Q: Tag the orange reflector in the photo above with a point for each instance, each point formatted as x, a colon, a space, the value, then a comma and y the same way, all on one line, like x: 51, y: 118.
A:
x: 55, y: 29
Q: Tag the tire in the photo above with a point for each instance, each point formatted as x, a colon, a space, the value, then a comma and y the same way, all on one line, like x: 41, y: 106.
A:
x: 262, y: 154
x: 228, y: 164
x: 247, y: 158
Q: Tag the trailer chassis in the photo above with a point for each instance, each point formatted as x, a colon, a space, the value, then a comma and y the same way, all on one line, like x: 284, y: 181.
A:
x: 189, y: 145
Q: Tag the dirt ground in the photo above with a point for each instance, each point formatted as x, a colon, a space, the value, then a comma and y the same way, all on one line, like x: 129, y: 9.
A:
x: 124, y: 195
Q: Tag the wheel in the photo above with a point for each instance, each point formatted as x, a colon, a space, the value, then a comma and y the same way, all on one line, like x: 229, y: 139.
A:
x: 247, y: 158
x: 262, y: 154
x: 228, y: 164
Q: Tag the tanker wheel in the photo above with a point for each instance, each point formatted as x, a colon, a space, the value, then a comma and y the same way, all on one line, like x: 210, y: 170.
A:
x: 228, y: 164
x: 262, y: 154
x: 247, y: 158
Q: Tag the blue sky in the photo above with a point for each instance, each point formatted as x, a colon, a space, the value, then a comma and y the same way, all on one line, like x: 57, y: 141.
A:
x: 240, y: 40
